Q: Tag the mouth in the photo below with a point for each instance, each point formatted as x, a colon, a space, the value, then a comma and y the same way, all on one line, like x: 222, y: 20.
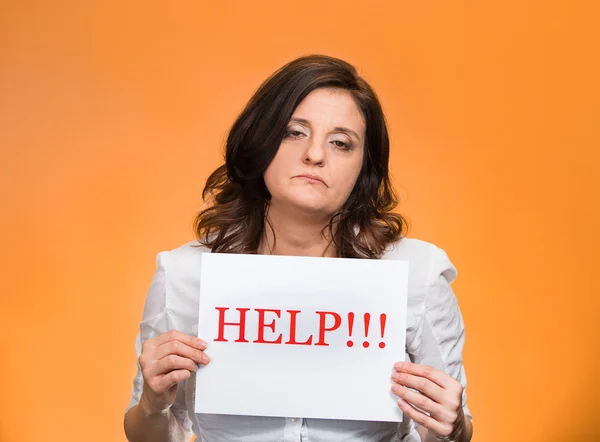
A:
x: 311, y: 178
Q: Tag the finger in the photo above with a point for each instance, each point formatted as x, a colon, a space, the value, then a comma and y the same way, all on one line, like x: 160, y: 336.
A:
x: 425, y: 371
x: 423, y: 385
x: 424, y: 420
x: 172, y: 378
x: 176, y: 335
x: 181, y: 349
x: 174, y: 362
x: 420, y: 402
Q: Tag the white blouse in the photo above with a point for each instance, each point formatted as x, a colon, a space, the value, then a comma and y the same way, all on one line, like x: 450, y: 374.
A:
x: 434, y: 336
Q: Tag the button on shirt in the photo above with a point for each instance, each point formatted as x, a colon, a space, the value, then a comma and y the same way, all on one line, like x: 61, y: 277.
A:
x: 434, y: 336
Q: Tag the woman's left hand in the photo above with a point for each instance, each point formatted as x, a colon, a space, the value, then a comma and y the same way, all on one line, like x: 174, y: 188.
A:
x: 438, y: 394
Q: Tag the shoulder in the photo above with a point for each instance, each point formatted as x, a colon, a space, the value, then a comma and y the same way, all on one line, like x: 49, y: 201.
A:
x: 430, y: 299
x: 426, y: 261
x: 181, y: 269
x: 183, y: 258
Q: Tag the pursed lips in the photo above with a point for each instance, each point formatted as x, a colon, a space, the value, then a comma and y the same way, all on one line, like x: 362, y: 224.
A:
x: 313, y: 178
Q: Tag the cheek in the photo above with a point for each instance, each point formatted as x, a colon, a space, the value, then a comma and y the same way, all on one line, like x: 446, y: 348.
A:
x: 349, y: 176
x: 275, y: 172
x: 269, y: 177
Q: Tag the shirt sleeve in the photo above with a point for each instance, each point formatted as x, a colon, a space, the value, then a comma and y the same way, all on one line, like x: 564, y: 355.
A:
x: 155, y: 321
x: 442, y: 328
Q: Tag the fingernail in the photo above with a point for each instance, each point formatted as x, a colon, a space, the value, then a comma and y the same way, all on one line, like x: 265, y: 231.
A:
x: 202, y: 343
x: 399, y: 365
x: 205, y: 358
x: 395, y: 376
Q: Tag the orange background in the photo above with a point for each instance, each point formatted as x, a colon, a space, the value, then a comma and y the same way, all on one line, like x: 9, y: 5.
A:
x: 112, y: 114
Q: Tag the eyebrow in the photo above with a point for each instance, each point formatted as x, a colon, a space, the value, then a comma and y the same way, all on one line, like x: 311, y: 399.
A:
x: 335, y: 129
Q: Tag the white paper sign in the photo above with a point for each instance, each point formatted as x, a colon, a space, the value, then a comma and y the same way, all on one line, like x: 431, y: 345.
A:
x: 300, y: 336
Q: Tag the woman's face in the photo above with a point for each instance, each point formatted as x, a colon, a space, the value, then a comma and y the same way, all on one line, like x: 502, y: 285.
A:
x: 320, y: 157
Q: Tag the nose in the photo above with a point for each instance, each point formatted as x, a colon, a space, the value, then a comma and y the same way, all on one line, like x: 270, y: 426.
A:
x: 314, y: 154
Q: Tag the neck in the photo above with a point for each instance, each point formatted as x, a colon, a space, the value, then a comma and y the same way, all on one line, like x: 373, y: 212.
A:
x: 295, y: 234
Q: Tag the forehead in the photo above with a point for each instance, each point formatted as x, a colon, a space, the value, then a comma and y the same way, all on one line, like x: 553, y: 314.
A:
x: 331, y: 106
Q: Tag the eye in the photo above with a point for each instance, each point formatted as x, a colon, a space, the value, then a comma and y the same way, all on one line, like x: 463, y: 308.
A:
x: 341, y: 145
x: 291, y: 133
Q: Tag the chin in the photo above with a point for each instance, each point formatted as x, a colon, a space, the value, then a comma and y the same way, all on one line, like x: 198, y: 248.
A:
x: 308, y: 204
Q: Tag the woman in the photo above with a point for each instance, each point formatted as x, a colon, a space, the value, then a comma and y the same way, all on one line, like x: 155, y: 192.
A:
x: 306, y: 174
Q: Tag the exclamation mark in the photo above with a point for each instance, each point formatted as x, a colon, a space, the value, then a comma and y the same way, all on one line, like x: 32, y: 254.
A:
x: 350, y: 327
x: 367, y: 321
x: 382, y: 319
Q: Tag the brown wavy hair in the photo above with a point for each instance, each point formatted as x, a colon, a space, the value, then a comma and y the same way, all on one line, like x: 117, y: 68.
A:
x: 236, y: 195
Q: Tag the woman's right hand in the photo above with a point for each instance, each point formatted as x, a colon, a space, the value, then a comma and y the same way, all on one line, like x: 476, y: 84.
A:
x: 166, y: 360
